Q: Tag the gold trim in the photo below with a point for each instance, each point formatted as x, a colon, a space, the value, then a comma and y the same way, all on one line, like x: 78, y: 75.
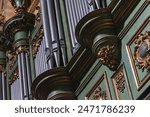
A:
x: 125, y: 84
x: 142, y: 62
x: 139, y: 84
x: 103, y: 77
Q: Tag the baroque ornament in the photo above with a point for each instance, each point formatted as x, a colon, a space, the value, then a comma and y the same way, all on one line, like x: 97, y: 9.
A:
x: 142, y: 51
x: 106, y: 55
x: 99, y: 94
x: 120, y: 81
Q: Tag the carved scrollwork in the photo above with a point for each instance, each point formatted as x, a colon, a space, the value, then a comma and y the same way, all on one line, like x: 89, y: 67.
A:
x: 120, y: 82
x: 11, y: 55
x: 38, y: 15
x: 21, y: 49
x: 142, y: 51
x: 13, y: 77
x: 106, y: 56
x: 99, y: 94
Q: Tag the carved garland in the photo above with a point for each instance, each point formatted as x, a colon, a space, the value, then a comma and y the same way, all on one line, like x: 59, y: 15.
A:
x: 142, y: 51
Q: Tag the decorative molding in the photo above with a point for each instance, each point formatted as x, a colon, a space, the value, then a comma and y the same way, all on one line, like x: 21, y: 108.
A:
x: 122, y: 11
x: 106, y: 56
x: 88, y: 78
x: 139, y: 83
x: 123, y: 32
x: 120, y: 83
x: 53, y: 84
x: 98, y: 92
x: 142, y: 51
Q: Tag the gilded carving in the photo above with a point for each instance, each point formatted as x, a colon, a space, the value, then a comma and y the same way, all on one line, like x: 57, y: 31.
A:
x: 106, y: 55
x: 21, y: 49
x: 2, y: 68
x: 120, y: 81
x: 13, y: 77
x: 99, y: 94
x: 38, y: 15
x: 11, y: 55
x: 142, y: 51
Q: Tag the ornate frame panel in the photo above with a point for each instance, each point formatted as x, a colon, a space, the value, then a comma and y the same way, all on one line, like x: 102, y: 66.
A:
x: 93, y: 89
x: 139, y: 83
x: 120, y: 82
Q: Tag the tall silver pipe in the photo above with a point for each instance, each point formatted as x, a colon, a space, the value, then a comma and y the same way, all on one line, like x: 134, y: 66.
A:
x: 86, y: 6
x: 71, y: 22
x: 47, y: 35
x: 42, y: 58
x: 20, y: 78
x: 58, y: 20
x: 75, y: 9
x: 24, y: 75
x: 60, y: 31
x: 4, y: 95
x: 78, y: 8
x: 53, y: 29
x: 28, y: 76
x: 39, y: 59
x: 52, y: 20
x: 1, y: 87
x: 45, y: 20
x: 45, y: 62
x: 83, y: 7
x: 35, y: 64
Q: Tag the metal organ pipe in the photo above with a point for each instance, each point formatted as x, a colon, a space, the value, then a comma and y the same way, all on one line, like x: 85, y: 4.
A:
x: 45, y: 20
x: 28, y: 76
x: 54, y: 33
x: 4, y: 95
x: 24, y: 75
x: 60, y: 32
x: 46, y: 27
x: 20, y: 78
x: 70, y: 23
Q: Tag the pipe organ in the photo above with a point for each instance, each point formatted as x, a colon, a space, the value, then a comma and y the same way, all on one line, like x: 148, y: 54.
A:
x: 52, y: 49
